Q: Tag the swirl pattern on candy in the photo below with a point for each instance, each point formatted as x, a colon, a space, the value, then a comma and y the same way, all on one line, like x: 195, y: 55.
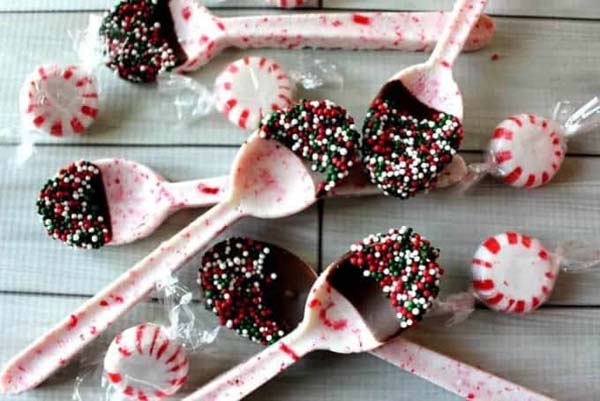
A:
x: 250, y: 88
x: 404, y: 265
x: 59, y: 100
x: 407, y: 144
x: 236, y: 277
x: 143, y: 363
x: 527, y: 150
x: 74, y: 208
x: 320, y: 132
x: 513, y: 273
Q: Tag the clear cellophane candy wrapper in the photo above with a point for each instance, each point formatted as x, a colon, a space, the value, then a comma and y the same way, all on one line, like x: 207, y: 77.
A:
x: 527, y: 150
x: 248, y: 89
x: 58, y: 98
x: 515, y: 273
x: 168, y: 345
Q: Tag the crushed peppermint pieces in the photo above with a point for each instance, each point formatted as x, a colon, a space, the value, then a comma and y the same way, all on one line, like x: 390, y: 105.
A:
x: 404, y: 154
x: 405, y: 266
x: 73, y: 207
x: 321, y: 133
x: 235, y: 277
x: 135, y: 40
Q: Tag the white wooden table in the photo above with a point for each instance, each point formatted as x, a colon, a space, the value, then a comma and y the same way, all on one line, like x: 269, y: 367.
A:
x: 549, y: 50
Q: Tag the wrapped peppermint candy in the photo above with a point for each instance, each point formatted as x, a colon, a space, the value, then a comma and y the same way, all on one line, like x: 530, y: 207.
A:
x: 516, y: 273
x: 149, y: 361
x: 246, y: 90
x: 527, y: 150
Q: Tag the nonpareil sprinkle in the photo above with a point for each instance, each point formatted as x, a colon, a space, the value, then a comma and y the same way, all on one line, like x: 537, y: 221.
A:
x: 320, y: 132
x: 137, y: 42
x: 74, y: 208
x: 404, y: 154
x: 404, y: 264
x: 235, y: 277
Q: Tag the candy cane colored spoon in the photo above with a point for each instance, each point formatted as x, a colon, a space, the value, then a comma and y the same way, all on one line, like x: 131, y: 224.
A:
x: 192, y: 36
x: 280, y: 283
x: 124, y: 201
x: 414, y: 126
x: 268, y: 181
x: 347, y: 310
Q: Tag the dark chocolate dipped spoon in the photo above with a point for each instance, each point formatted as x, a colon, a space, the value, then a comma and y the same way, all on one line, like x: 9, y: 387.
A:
x: 285, y: 296
x: 414, y: 125
x: 348, y: 309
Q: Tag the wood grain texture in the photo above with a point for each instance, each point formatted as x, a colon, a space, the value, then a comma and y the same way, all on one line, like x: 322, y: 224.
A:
x: 564, y: 348
x: 589, y: 9
x: 33, y: 262
x: 541, y: 62
x: 564, y: 210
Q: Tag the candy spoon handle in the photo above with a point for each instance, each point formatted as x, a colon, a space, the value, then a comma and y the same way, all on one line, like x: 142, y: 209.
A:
x: 198, y: 193
x: 58, y: 345
x: 410, y: 31
x: 242, y: 380
x: 459, y: 378
x: 464, y: 17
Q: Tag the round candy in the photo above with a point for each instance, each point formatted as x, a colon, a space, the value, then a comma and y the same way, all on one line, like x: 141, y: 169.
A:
x: 513, y: 273
x: 528, y: 150
x: 143, y: 363
x: 59, y: 100
x: 251, y: 88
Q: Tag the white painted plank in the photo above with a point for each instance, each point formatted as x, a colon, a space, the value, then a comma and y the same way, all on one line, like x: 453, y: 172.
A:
x: 540, y: 63
x: 538, y: 8
x: 66, y: 5
x: 554, y: 350
x: 30, y: 261
x: 564, y: 210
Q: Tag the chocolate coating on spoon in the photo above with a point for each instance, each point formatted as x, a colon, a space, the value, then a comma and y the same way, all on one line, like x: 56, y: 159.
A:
x: 407, y: 144
x: 257, y: 289
x: 140, y: 39
x: 320, y: 132
x: 74, y: 208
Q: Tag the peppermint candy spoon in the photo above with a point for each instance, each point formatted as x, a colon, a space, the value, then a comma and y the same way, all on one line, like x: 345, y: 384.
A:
x: 192, y: 36
x: 414, y: 126
x: 516, y: 273
x: 292, y: 3
x: 358, y: 303
x: 268, y: 180
x: 266, y: 304
x: 124, y: 201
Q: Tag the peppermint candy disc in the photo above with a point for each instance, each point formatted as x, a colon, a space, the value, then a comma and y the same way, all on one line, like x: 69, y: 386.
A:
x: 513, y: 273
x: 251, y: 88
x: 528, y: 150
x: 143, y: 363
x: 59, y: 100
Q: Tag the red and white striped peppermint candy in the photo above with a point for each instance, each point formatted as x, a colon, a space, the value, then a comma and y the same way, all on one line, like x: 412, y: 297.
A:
x: 143, y: 363
x: 59, y: 100
x: 287, y: 3
x: 513, y: 273
x: 528, y: 150
x: 251, y: 88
